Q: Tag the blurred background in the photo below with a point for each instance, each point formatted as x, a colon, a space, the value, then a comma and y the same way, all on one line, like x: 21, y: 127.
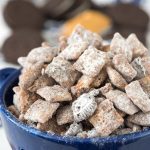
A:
x: 24, y: 24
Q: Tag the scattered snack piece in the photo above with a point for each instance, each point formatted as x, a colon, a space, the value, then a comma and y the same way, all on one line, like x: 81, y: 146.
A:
x: 73, y: 51
x: 122, y: 65
x: 137, y: 47
x: 62, y: 71
x: 14, y: 110
x: 120, y: 46
x: 41, y: 111
x: 54, y: 93
x: 80, y: 34
x: 106, y: 119
x: 41, y: 82
x: 64, y: 115
x: 84, y: 107
x: 122, y: 102
x: 29, y: 75
x: 115, y: 78
x: 74, y: 129
x: 84, y: 65
x: 140, y: 118
x: 145, y: 84
x: 138, y: 96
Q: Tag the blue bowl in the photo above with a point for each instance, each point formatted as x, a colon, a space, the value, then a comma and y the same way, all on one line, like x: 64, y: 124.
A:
x: 23, y: 137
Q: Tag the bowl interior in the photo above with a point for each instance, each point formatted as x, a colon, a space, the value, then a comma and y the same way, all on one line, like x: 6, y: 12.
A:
x: 7, y: 94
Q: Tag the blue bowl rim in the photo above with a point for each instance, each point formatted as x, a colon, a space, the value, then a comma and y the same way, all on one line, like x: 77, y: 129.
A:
x: 58, y: 138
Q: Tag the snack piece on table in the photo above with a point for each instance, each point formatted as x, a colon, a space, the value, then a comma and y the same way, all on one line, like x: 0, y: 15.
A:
x: 84, y: 65
x: 106, y: 119
x: 92, y: 20
x: 64, y: 115
x: 54, y: 93
x: 122, y: 102
x: 122, y: 65
x: 41, y: 111
x: 138, y: 96
x: 116, y: 78
x: 62, y: 72
x: 119, y: 45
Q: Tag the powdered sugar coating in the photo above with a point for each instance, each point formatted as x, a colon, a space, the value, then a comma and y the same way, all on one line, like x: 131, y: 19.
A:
x: 29, y: 75
x: 62, y: 71
x: 145, y: 84
x: 121, y: 64
x: 80, y: 34
x: 54, y: 93
x: 138, y: 48
x: 73, y: 51
x: 44, y: 54
x: 84, y: 65
x: 119, y: 45
x: 140, y: 118
x: 83, y: 107
x: 64, y: 115
x: 122, y: 102
x: 138, y: 96
x: 41, y: 111
x: 116, y: 78
x: 106, y: 119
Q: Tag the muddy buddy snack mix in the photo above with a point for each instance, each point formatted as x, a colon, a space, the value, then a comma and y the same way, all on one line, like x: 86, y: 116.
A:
x: 80, y: 89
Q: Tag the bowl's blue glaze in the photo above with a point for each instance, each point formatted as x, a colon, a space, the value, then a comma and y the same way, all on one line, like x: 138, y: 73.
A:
x: 23, y: 137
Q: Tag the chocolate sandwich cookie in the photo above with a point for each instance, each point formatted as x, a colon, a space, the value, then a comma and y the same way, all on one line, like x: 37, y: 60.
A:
x: 55, y: 9
x: 20, y: 43
x: 21, y: 13
x: 129, y: 15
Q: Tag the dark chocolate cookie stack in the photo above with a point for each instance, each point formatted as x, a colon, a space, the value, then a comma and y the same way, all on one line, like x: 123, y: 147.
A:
x: 64, y: 9
x: 128, y: 18
x: 26, y: 22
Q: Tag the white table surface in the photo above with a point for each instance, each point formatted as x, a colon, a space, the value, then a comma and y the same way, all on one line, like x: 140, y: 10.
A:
x: 4, y: 33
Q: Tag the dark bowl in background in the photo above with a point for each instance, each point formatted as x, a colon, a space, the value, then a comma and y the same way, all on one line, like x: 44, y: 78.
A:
x: 23, y: 137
